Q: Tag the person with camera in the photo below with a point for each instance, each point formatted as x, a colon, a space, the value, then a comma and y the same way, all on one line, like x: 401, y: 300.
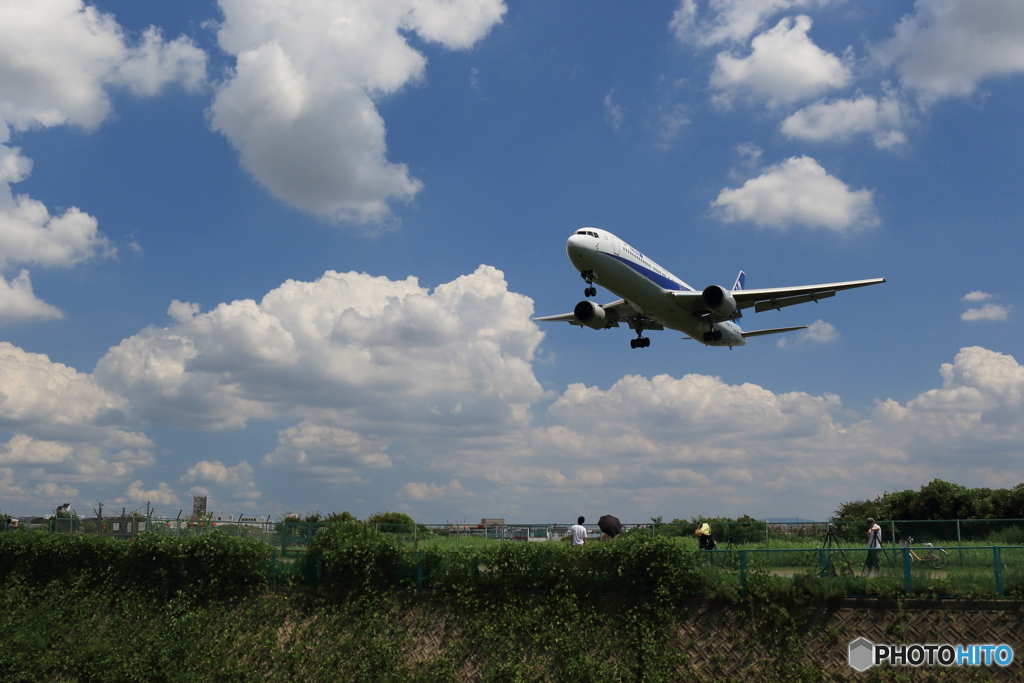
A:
x: 874, y: 535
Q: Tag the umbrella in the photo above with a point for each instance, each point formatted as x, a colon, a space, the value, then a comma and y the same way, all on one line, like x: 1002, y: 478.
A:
x: 610, y: 525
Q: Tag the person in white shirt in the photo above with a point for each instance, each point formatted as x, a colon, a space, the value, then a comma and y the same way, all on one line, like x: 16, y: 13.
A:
x: 578, y: 533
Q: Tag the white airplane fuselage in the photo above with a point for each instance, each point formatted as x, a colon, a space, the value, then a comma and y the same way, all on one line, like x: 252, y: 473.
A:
x: 645, y: 285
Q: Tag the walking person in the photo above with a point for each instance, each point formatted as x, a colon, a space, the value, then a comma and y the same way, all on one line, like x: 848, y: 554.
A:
x: 704, y: 538
x: 874, y: 535
x: 578, y: 533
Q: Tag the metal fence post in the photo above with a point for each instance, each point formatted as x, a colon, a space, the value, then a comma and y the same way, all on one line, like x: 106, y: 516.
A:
x: 908, y: 582
x: 767, y: 543
x: 822, y: 573
x: 959, y: 549
x: 997, y: 566
x: 419, y: 570
x: 743, y: 573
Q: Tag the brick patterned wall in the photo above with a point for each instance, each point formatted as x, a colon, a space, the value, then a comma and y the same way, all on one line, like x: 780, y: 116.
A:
x: 723, y: 643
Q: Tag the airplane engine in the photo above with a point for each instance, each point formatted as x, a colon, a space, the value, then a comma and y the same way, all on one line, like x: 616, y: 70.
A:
x: 590, y: 314
x: 719, y: 301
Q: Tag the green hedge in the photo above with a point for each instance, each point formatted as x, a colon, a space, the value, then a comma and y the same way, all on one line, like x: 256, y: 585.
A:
x: 206, y: 567
x: 201, y: 609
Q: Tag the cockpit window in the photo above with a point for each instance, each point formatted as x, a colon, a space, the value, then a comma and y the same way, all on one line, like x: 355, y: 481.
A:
x: 588, y: 233
x: 581, y: 232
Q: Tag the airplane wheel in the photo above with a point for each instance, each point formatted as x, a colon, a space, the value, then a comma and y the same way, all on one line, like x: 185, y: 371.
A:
x: 632, y: 343
x: 647, y: 342
x: 590, y: 291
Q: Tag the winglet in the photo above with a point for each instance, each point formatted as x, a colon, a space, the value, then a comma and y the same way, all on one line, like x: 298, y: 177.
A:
x: 741, y: 280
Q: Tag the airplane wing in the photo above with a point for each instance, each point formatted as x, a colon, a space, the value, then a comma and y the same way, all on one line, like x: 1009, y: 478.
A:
x: 772, y: 299
x: 616, y: 312
x: 777, y: 330
x: 761, y: 333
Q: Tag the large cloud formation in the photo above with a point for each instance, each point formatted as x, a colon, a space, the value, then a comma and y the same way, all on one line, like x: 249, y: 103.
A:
x: 437, y: 389
x: 59, y: 57
x: 734, y: 447
x: 65, y: 428
x: 299, y: 105
x: 942, y: 49
x: 365, y: 351
x: 946, y: 47
x: 58, y: 60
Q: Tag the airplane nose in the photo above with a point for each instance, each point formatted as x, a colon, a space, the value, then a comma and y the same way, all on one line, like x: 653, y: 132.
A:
x: 574, y: 246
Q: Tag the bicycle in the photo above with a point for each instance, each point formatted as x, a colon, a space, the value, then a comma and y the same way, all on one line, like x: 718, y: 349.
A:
x: 935, y: 558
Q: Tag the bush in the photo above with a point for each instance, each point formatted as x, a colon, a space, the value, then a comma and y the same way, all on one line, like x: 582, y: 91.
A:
x: 356, y: 559
x: 205, y: 567
x: 1011, y: 535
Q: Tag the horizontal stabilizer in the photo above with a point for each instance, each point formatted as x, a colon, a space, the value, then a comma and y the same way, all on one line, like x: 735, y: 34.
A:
x: 777, y: 330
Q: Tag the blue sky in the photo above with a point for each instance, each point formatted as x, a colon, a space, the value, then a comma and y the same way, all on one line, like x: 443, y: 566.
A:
x: 287, y: 255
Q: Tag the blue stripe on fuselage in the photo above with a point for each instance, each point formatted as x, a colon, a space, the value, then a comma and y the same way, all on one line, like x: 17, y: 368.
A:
x: 660, y: 280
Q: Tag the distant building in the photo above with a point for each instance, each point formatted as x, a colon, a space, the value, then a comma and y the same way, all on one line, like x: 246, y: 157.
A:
x: 198, y: 506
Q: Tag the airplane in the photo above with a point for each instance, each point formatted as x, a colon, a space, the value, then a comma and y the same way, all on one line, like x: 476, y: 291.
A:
x: 655, y: 299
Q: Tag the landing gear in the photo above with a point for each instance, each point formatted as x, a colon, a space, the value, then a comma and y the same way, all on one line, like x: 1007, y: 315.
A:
x: 712, y: 336
x: 640, y: 343
x: 590, y: 291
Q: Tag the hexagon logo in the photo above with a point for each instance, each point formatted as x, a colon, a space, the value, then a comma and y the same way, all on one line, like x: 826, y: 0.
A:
x: 862, y: 654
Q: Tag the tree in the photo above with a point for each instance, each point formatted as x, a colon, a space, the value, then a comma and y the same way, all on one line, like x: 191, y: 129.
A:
x: 391, y: 521
x: 345, y: 517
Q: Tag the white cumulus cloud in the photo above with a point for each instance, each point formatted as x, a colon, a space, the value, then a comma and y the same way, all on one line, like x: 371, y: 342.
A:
x: 101, y: 461
x: 161, y: 495
x: 330, y: 453
x: 59, y: 57
x: 17, y: 302
x: 367, y: 349
x: 734, y: 447
x: 946, y: 47
x: 819, y: 332
x: 65, y: 428
x: 784, y: 66
x: 797, y: 191
x: 51, y: 398
x: 723, y: 21
x: 977, y: 296
x: 299, y: 105
x: 29, y: 234
x: 882, y: 119
x: 217, y: 472
x: 58, y: 61
x: 986, y: 312
x: 421, y: 491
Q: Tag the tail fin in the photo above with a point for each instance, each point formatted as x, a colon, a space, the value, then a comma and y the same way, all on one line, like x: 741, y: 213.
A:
x: 741, y: 280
